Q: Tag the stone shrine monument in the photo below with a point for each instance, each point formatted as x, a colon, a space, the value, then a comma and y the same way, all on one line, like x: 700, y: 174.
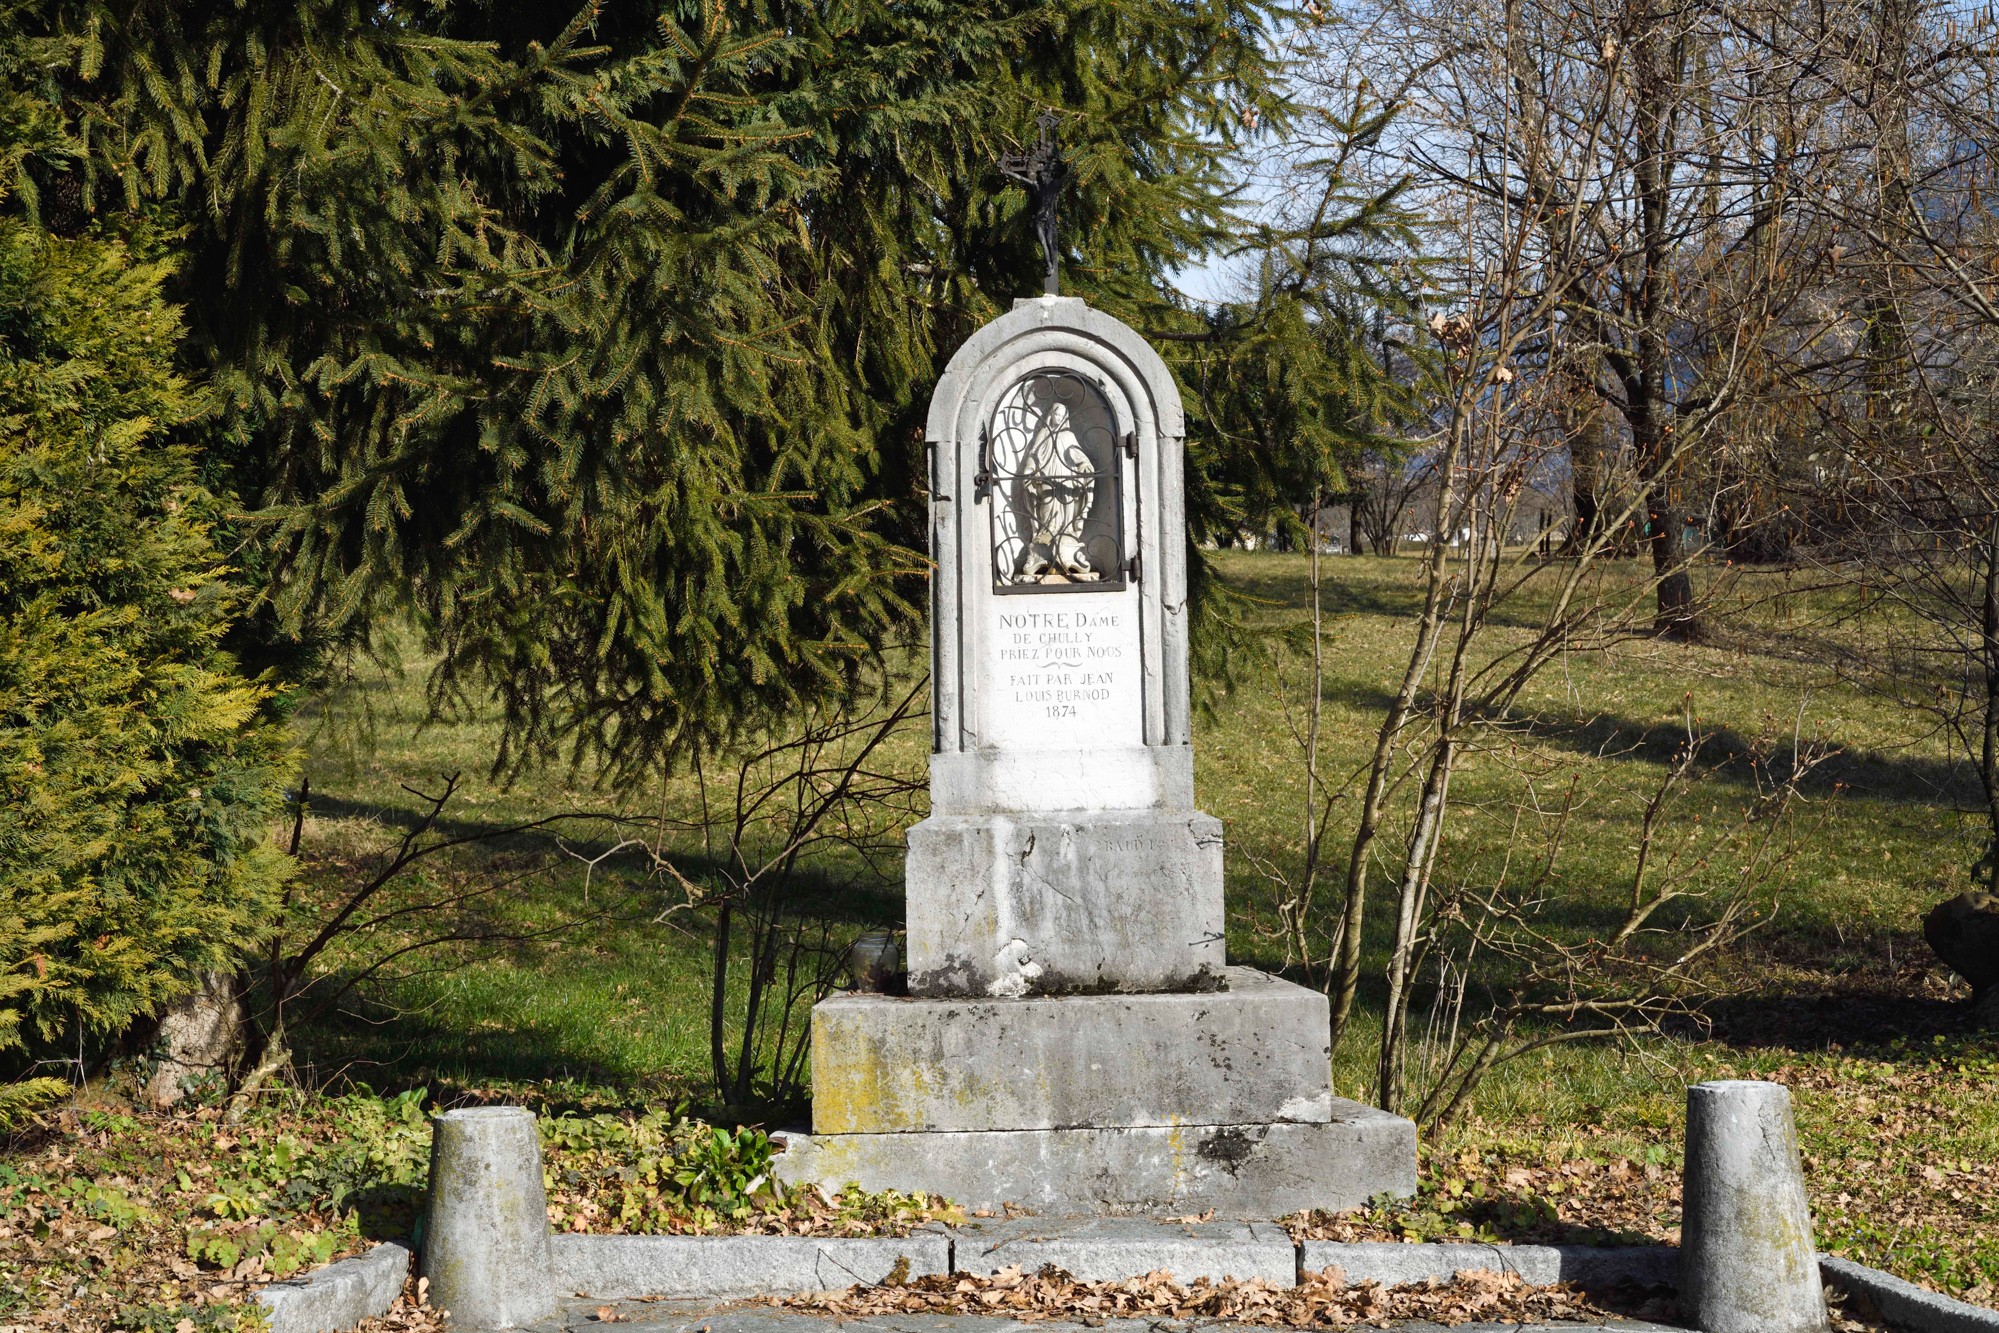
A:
x: 1073, y: 1040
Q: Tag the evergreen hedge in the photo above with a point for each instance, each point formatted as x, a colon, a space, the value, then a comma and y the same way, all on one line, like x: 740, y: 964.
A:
x: 139, y: 770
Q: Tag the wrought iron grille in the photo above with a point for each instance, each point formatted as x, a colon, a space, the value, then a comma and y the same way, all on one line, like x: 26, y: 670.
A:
x: 1051, y: 467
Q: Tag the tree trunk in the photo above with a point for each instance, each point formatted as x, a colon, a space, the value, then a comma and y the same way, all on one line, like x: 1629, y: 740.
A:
x: 274, y: 1058
x: 1422, y: 852
x: 1675, y: 618
x: 201, y: 1036
x: 718, y: 1002
x: 1888, y: 366
x: 1343, y: 981
x: 1988, y: 757
x: 1585, y: 478
x: 1658, y: 72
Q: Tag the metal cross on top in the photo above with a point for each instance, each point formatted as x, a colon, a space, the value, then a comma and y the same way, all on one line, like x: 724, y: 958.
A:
x: 1044, y: 173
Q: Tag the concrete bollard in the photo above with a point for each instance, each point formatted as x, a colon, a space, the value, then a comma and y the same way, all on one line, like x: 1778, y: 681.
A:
x: 1746, y: 1258
x: 485, y: 1244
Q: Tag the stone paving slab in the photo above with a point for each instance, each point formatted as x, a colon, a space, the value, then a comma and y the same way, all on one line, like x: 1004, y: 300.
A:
x: 621, y: 1267
x: 1110, y: 1249
x: 680, y: 1317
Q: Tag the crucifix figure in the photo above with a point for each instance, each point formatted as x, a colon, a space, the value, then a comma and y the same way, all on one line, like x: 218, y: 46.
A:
x: 1042, y: 170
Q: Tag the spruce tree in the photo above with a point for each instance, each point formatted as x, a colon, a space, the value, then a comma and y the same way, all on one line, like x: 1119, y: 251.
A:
x: 138, y: 771
x: 599, y: 338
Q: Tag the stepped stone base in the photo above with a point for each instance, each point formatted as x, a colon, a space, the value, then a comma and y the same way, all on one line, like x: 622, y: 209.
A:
x: 1253, y: 1053
x: 1240, y: 1171
x: 1098, y: 1104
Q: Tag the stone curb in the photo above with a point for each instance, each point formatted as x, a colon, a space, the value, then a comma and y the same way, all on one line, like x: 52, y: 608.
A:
x: 1112, y: 1249
x: 1392, y: 1263
x: 617, y: 1267
x: 1905, y: 1304
x: 1093, y: 1250
x: 340, y: 1295
x: 629, y: 1267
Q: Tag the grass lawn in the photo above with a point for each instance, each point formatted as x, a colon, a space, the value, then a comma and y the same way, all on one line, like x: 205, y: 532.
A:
x: 1898, y: 1104
x: 1840, y: 995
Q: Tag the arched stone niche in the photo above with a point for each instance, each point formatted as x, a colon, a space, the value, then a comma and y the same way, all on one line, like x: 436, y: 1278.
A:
x: 1059, y: 617
x: 1063, y: 852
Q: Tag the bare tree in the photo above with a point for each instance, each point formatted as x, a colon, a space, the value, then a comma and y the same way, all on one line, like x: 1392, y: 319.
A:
x: 811, y: 813
x: 1906, y: 387
x: 1694, y: 889
x: 1385, y: 485
x: 325, y: 945
x: 1656, y: 151
x: 1607, y: 235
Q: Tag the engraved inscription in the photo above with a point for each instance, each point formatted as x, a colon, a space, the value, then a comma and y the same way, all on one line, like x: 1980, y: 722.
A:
x: 1065, y: 678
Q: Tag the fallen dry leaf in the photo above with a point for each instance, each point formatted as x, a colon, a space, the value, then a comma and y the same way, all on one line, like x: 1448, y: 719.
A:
x: 1321, y: 1300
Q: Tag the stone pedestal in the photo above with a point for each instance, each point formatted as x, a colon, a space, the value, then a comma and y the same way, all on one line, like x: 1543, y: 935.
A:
x: 1253, y: 1053
x: 1067, y: 903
